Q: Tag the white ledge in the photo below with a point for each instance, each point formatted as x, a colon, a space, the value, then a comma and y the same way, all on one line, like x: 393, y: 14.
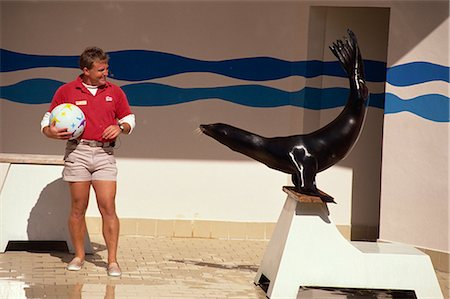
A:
x: 31, y: 159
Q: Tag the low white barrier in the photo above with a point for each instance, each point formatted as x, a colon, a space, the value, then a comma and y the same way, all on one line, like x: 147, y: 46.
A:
x: 34, y: 200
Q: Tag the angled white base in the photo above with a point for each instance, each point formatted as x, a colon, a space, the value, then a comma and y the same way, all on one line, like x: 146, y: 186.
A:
x: 34, y: 205
x: 306, y: 249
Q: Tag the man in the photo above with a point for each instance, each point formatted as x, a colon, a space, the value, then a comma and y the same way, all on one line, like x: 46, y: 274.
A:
x: 89, y: 160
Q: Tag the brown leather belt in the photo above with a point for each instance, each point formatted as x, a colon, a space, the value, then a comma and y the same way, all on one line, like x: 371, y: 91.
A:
x: 93, y: 143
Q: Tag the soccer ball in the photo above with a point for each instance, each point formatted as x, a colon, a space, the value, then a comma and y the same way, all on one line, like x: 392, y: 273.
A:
x: 68, y: 116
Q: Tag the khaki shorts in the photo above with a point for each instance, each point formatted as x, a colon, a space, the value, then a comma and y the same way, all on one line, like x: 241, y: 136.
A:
x: 83, y: 162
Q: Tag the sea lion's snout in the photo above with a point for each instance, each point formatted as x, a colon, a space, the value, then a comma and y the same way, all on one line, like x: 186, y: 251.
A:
x: 204, y: 129
x: 217, y: 131
x: 210, y: 130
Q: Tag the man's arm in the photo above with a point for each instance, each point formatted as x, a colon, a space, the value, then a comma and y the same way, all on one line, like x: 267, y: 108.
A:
x: 51, y: 131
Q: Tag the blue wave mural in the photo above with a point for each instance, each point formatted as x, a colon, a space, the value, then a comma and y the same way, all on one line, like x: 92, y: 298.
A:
x: 416, y: 73
x: 433, y: 107
x: 140, y: 65
x: 33, y: 91
x: 40, y: 91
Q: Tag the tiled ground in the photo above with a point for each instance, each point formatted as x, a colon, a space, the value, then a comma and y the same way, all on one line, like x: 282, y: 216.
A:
x: 153, y: 268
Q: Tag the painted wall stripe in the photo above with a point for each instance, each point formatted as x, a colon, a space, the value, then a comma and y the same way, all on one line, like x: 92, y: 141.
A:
x: 133, y: 66
x: 139, y: 65
x: 434, y: 107
x: 40, y: 91
x: 416, y: 73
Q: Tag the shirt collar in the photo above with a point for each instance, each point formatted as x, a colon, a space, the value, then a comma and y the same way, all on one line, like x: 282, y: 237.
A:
x: 80, y: 85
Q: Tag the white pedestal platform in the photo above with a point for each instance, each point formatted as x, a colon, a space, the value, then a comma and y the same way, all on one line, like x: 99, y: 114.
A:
x: 34, y: 202
x: 306, y: 249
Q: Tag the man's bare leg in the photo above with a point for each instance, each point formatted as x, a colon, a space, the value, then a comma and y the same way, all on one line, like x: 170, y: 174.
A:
x: 79, y: 192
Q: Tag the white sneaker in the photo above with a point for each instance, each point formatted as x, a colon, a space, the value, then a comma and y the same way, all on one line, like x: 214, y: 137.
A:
x: 75, y: 264
x: 114, y: 270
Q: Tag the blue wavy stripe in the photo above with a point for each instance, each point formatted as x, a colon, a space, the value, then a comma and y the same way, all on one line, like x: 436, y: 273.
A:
x: 33, y: 91
x: 434, y: 107
x: 416, y: 73
x: 13, y: 61
x: 140, y: 65
x: 39, y: 91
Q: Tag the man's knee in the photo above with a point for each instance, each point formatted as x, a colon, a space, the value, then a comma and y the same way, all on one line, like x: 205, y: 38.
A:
x: 77, y: 215
x: 108, y: 212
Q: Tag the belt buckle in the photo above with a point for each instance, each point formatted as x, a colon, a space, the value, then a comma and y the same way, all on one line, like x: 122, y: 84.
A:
x: 92, y: 143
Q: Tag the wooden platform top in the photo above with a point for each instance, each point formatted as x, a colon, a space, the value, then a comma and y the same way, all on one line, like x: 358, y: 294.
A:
x: 300, y: 197
x: 31, y: 159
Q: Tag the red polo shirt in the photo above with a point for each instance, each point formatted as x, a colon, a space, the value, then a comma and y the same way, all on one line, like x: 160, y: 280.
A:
x: 102, y: 110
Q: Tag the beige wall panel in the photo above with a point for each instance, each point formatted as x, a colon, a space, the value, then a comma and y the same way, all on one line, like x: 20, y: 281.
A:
x: 415, y: 181
x: 195, y: 29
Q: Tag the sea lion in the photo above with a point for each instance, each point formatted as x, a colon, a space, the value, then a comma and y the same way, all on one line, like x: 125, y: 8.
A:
x: 305, y: 155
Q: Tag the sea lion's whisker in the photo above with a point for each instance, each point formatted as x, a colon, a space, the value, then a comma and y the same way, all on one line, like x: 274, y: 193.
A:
x: 197, y: 131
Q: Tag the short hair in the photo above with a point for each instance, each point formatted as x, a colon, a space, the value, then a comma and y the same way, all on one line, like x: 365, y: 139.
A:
x: 90, y: 55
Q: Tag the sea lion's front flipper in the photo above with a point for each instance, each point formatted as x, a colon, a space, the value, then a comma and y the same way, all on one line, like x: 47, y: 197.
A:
x: 306, y: 168
x: 305, y: 177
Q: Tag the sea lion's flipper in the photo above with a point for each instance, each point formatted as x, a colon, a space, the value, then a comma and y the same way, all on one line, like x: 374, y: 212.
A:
x: 349, y: 56
x: 305, y: 177
x: 347, y: 52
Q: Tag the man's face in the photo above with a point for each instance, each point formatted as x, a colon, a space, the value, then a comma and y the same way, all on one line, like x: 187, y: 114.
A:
x: 96, y: 76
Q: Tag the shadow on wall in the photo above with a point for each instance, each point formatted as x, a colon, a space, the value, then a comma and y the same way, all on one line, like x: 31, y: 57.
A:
x: 48, y: 218
x: 365, y: 160
x: 430, y: 15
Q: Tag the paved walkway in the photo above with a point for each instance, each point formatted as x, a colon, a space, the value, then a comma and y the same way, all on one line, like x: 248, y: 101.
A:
x: 152, y: 268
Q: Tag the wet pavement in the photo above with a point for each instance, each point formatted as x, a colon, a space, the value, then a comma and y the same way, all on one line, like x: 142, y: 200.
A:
x: 154, y: 268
